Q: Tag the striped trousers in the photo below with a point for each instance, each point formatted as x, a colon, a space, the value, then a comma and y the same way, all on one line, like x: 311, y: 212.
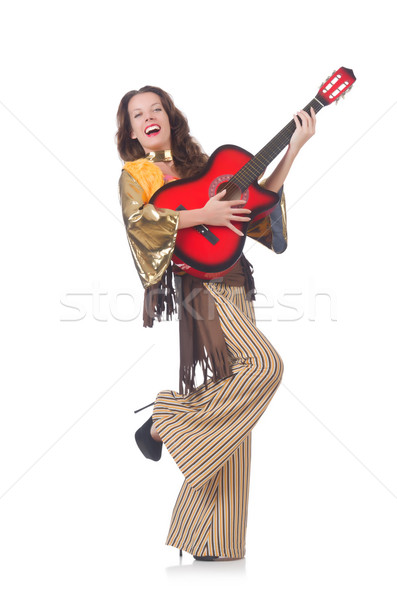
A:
x: 208, y: 434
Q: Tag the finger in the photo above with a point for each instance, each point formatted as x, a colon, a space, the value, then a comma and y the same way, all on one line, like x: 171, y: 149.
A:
x: 310, y: 123
x: 297, y: 122
x: 235, y: 218
x: 219, y: 195
x: 233, y: 228
x: 240, y: 201
x: 242, y: 210
x: 313, y: 118
x: 305, y: 117
x: 312, y: 113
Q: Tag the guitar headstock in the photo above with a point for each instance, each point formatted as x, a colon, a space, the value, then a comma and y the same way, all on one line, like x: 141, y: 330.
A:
x: 336, y: 86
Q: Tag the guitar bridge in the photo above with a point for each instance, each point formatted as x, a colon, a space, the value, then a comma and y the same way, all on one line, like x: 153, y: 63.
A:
x: 211, y: 237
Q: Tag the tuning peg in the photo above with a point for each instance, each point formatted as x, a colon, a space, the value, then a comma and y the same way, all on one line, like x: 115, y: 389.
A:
x: 325, y: 81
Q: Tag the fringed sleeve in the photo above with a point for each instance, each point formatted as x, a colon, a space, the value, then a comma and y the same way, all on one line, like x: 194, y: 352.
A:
x: 151, y: 232
x: 271, y: 231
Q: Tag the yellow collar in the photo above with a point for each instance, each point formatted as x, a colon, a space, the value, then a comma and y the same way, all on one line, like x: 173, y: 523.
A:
x: 159, y: 156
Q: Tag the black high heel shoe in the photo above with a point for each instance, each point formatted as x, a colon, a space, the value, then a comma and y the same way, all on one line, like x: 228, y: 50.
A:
x: 146, y: 444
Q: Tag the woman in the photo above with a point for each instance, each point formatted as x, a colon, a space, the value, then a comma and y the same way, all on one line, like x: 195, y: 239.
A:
x: 206, y: 428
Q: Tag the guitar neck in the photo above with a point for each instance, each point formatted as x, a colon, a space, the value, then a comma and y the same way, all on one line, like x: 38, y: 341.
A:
x: 257, y: 165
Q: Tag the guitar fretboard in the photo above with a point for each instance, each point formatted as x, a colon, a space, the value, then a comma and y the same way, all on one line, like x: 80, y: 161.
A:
x: 257, y: 165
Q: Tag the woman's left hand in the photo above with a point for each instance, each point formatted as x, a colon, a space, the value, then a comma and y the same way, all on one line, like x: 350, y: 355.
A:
x: 304, y: 131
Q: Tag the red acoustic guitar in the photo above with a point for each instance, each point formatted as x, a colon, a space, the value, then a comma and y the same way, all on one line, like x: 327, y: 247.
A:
x: 209, y: 252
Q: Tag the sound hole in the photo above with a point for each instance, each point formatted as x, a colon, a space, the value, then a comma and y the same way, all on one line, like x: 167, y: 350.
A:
x: 233, y: 191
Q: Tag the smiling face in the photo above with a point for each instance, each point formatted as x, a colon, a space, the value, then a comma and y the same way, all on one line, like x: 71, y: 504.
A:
x: 149, y: 122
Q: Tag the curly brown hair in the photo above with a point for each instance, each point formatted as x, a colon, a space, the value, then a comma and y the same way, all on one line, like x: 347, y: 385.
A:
x: 187, y: 153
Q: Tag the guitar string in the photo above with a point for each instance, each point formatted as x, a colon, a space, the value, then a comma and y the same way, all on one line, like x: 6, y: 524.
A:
x: 257, y: 165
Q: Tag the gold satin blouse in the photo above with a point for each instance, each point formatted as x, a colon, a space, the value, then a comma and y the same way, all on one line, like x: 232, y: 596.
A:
x: 152, y: 232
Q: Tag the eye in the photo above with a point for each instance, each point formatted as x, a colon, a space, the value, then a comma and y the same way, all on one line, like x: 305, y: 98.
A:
x: 157, y: 109
x: 137, y: 115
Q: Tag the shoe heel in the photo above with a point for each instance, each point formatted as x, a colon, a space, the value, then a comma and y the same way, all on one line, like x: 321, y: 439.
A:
x: 143, y: 407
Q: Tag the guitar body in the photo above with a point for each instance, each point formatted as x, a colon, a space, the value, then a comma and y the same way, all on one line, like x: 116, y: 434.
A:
x: 213, y: 251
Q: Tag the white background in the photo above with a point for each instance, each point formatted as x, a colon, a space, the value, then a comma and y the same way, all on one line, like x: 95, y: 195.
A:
x: 83, y: 514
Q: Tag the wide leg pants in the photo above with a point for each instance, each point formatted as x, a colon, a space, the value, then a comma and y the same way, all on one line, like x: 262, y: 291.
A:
x: 208, y: 434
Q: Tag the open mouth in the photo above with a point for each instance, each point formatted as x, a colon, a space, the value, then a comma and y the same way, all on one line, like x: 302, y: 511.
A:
x: 152, y: 130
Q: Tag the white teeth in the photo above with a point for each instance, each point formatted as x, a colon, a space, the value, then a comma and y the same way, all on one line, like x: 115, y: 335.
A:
x: 151, y: 129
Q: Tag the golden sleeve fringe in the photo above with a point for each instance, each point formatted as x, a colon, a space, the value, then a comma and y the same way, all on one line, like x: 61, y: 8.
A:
x: 159, y: 298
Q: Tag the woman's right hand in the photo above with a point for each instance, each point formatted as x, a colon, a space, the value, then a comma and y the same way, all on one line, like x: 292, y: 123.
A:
x: 222, y: 212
